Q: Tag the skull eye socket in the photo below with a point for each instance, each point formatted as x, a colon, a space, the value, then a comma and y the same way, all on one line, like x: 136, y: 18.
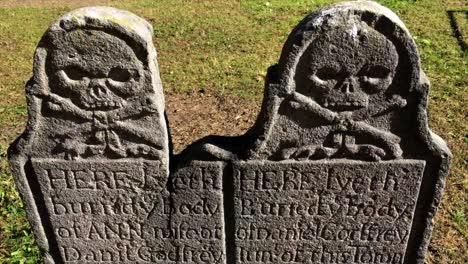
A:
x: 375, y: 72
x: 119, y: 75
x: 328, y: 74
x: 375, y: 78
x: 74, y: 73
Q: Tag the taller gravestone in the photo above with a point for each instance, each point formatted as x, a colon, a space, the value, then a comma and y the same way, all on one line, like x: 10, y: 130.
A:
x: 340, y: 166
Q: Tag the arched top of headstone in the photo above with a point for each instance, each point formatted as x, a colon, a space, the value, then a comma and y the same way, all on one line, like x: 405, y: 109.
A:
x: 136, y: 31
x: 97, y: 67
x: 355, y: 17
x: 348, y: 85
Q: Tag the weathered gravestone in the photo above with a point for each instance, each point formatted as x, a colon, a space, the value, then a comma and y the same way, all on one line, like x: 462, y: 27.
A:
x: 340, y: 166
x: 92, y: 165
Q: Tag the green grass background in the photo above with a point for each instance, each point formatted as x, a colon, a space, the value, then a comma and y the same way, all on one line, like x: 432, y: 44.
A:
x: 223, y: 46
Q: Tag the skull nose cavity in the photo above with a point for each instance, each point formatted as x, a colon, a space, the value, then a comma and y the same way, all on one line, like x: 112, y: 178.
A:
x: 347, y: 87
x: 98, y: 91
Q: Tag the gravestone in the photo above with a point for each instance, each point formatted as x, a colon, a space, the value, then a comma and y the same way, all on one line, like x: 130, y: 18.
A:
x: 340, y: 166
x: 93, y: 163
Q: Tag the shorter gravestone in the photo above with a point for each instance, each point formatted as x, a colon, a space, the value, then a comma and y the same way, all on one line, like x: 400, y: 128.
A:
x: 340, y: 166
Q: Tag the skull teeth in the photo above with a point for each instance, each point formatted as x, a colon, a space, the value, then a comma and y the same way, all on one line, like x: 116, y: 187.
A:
x: 106, y: 104
x: 350, y: 103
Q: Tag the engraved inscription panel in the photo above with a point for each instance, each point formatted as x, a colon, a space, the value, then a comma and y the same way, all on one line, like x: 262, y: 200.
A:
x: 198, y: 213
x: 324, y: 212
x: 101, y: 211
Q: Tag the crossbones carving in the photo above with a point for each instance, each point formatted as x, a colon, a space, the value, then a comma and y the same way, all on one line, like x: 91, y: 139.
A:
x: 344, y: 129
x: 104, y: 129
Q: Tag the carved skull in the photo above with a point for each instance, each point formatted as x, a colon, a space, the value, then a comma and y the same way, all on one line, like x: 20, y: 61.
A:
x: 347, y: 67
x: 94, y: 69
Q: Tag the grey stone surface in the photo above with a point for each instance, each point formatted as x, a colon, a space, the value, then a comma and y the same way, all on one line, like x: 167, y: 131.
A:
x: 198, y: 212
x: 93, y: 163
x: 340, y: 166
x: 324, y: 212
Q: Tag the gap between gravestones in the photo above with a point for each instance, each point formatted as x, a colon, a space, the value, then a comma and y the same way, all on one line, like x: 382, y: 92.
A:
x: 193, y: 115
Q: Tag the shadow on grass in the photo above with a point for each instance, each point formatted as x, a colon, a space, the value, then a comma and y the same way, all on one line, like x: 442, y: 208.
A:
x: 456, y: 28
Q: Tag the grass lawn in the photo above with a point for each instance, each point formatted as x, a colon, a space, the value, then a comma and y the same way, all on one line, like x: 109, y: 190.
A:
x: 213, y: 56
